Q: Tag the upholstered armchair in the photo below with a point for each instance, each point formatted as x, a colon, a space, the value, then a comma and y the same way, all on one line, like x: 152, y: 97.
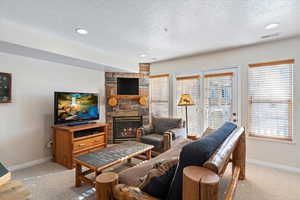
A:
x: 162, y: 133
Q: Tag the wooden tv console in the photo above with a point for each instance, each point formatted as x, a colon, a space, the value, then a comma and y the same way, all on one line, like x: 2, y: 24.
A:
x: 70, y: 141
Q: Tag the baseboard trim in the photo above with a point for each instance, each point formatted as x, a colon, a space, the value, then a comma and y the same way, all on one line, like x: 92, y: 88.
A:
x: 29, y: 164
x: 274, y: 165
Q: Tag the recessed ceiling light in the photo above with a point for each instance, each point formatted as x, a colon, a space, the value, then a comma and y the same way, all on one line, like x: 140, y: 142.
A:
x: 143, y: 55
x: 271, y: 26
x: 81, y: 31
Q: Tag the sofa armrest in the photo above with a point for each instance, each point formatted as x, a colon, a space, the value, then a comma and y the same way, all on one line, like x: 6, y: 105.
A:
x: 147, y: 129
x: 124, y: 192
x: 178, y: 133
x: 144, y: 130
x: 171, y: 135
x: 139, y: 133
x: 167, y: 140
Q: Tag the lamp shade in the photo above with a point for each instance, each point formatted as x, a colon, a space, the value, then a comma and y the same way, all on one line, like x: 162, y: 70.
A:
x: 186, y: 100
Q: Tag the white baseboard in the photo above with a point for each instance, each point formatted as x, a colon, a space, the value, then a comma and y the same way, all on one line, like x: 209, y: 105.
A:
x: 274, y: 165
x: 29, y: 164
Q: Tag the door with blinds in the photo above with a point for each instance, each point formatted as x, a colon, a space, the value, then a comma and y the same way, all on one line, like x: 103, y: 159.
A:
x: 221, y: 97
x: 189, y: 85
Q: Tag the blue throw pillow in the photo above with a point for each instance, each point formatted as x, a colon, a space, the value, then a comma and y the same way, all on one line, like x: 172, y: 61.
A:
x: 196, y: 154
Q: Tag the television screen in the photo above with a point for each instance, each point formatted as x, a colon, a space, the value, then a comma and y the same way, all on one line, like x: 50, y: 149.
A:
x: 128, y: 86
x: 73, y: 107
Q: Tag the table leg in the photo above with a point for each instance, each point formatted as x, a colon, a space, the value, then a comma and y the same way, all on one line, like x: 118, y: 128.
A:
x: 148, y: 154
x: 78, y: 172
x: 97, y: 173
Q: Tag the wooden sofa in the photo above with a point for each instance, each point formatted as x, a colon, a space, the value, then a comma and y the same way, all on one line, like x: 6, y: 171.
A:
x: 199, y: 183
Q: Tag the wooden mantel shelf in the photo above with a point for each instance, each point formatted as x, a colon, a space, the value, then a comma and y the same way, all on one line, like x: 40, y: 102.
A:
x: 113, y: 99
x: 128, y: 96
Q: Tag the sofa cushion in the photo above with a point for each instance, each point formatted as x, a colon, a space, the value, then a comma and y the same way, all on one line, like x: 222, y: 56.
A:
x: 196, y: 154
x: 162, y: 125
x: 157, y: 140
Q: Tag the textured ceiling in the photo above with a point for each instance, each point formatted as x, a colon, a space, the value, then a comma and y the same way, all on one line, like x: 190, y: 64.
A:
x: 162, y: 29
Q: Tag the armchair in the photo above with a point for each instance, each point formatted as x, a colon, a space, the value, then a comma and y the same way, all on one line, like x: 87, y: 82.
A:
x: 162, y: 133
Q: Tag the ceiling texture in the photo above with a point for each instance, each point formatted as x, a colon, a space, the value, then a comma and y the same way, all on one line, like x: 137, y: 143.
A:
x: 160, y: 29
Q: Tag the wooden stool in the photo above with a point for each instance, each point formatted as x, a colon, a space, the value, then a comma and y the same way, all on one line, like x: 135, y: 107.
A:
x: 104, y: 184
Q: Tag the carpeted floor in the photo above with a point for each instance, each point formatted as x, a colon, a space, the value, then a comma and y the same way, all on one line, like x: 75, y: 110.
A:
x: 50, y: 181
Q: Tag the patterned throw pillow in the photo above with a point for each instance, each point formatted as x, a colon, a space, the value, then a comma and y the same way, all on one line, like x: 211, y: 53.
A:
x: 159, y: 178
x: 159, y: 168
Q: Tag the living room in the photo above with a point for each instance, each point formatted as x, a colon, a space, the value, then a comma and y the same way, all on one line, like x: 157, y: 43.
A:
x: 91, y: 100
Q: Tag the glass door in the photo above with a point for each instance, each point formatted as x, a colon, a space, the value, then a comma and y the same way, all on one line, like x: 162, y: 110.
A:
x: 189, y: 85
x: 221, y: 97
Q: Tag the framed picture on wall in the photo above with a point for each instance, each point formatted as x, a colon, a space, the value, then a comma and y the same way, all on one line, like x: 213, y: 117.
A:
x: 5, y: 87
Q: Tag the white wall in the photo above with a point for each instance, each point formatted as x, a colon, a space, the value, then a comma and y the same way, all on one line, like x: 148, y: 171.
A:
x: 25, y: 124
x: 279, y: 153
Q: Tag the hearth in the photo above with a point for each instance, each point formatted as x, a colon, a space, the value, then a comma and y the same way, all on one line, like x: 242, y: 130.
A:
x: 125, y: 127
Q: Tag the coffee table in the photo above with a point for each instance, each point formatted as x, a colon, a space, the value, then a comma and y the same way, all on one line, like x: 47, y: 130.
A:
x: 105, y: 158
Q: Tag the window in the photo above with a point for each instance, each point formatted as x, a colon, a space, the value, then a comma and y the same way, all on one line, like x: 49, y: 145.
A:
x: 189, y: 85
x: 218, y: 98
x: 270, y: 100
x: 159, y: 95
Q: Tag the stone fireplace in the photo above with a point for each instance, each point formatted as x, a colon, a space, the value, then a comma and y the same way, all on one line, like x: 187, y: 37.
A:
x: 125, y: 128
x: 120, y: 108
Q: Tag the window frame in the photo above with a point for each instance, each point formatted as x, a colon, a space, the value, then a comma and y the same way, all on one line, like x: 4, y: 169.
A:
x: 290, y: 103
x: 159, y: 101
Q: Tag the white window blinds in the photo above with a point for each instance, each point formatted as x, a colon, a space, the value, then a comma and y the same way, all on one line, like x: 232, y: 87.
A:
x: 218, y: 99
x: 189, y: 85
x: 270, y: 100
x: 159, y: 95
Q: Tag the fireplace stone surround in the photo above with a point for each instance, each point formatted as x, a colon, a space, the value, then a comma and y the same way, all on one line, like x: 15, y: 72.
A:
x: 128, y: 105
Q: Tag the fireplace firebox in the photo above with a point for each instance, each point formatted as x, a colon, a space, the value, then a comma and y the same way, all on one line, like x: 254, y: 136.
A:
x: 125, y: 127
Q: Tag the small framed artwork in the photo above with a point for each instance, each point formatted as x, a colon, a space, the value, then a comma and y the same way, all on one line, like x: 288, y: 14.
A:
x: 5, y: 87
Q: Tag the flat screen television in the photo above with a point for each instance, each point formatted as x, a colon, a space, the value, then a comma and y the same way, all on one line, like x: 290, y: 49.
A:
x: 72, y: 107
x: 128, y: 86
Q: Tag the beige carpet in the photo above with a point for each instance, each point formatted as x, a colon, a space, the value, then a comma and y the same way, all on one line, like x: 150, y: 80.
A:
x: 50, y: 181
